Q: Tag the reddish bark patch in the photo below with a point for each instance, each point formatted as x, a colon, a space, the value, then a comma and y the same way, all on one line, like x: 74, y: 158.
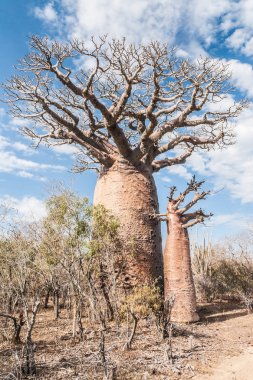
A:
x: 178, y: 279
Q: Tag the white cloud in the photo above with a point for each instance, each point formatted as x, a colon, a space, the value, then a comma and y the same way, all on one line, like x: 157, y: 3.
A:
x: 179, y: 170
x: 236, y: 220
x: 65, y: 149
x: 11, y: 163
x: 230, y: 168
x: 17, y: 122
x: 242, y: 76
x: 239, y: 21
x: 195, y: 24
x: 3, y: 142
x: 14, y: 124
x: 165, y: 179
x: 140, y: 20
x: 223, y: 219
x: 248, y: 48
x: 29, y: 208
x: 15, y: 145
x: 24, y: 174
x: 230, y: 224
x: 2, y: 112
x: 47, y: 13
x: 237, y: 39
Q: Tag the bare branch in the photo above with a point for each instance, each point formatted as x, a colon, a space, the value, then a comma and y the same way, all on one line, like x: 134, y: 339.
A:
x: 118, y: 99
x: 194, y: 140
x: 194, y: 218
x: 193, y: 222
x: 157, y: 165
x: 193, y: 185
x: 196, y: 199
x: 172, y: 192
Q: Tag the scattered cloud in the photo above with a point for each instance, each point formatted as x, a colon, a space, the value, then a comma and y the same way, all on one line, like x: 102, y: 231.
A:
x: 65, y: 149
x: 2, y: 112
x: 180, y: 170
x: 236, y: 39
x: 230, y: 168
x: 222, y: 225
x: 165, y: 179
x: 242, y: 76
x: 195, y: 24
x: 24, y: 174
x: 29, y: 208
x: 7, y: 143
x: 13, y: 124
x: 10, y: 162
x: 46, y: 13
x: 238, y: 21
x: 235, y: 220
x: 139, y: 20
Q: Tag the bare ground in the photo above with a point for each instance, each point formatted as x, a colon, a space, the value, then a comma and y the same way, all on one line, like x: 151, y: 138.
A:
x: 233, y: 368
x: 222, y: 343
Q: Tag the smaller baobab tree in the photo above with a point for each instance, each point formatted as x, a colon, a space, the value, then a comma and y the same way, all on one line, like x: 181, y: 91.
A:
x: 178, y: 278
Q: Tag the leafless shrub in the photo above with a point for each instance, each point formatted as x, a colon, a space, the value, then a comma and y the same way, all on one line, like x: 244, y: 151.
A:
x: 224, y: 271
x: 163, y: 317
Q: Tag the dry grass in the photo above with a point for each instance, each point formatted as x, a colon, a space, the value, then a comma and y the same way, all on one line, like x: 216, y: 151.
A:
x: 224, y: 330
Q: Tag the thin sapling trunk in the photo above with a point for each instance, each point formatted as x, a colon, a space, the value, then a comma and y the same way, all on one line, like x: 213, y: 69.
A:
x: 128, y: 344
x: 29, y: 366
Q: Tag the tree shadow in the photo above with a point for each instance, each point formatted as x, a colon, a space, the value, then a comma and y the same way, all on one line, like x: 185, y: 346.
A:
x: 223, y: 317
x: 220, y: 311
x: 182, y: 331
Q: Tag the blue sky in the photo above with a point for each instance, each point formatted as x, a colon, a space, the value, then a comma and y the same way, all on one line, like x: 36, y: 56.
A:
x: 222, y: 29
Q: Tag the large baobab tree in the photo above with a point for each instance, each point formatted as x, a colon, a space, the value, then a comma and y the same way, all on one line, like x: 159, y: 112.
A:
x: 131, y: 110
x: 178, y: 279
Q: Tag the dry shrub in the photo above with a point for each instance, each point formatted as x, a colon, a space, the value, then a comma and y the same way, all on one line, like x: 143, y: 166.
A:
x: 223, y: 272
x: 140, y: 303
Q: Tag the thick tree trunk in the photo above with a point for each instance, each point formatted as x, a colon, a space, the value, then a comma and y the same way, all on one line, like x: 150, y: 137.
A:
x: 178, y: 279
x: 130, y: 193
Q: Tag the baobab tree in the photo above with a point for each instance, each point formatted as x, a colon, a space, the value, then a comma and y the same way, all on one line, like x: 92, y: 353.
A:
x: 178, y: 278
x: 132, y: 111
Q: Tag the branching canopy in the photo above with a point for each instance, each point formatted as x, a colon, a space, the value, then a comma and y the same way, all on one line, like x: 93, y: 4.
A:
x: 189, y: 219
x: 175, y: 205
x: 114, y: 99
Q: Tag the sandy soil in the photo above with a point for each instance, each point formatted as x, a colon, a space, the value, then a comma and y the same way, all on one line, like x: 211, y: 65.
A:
x: 219, y: 347
x: 235, y: 368
x: 233, y: 359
